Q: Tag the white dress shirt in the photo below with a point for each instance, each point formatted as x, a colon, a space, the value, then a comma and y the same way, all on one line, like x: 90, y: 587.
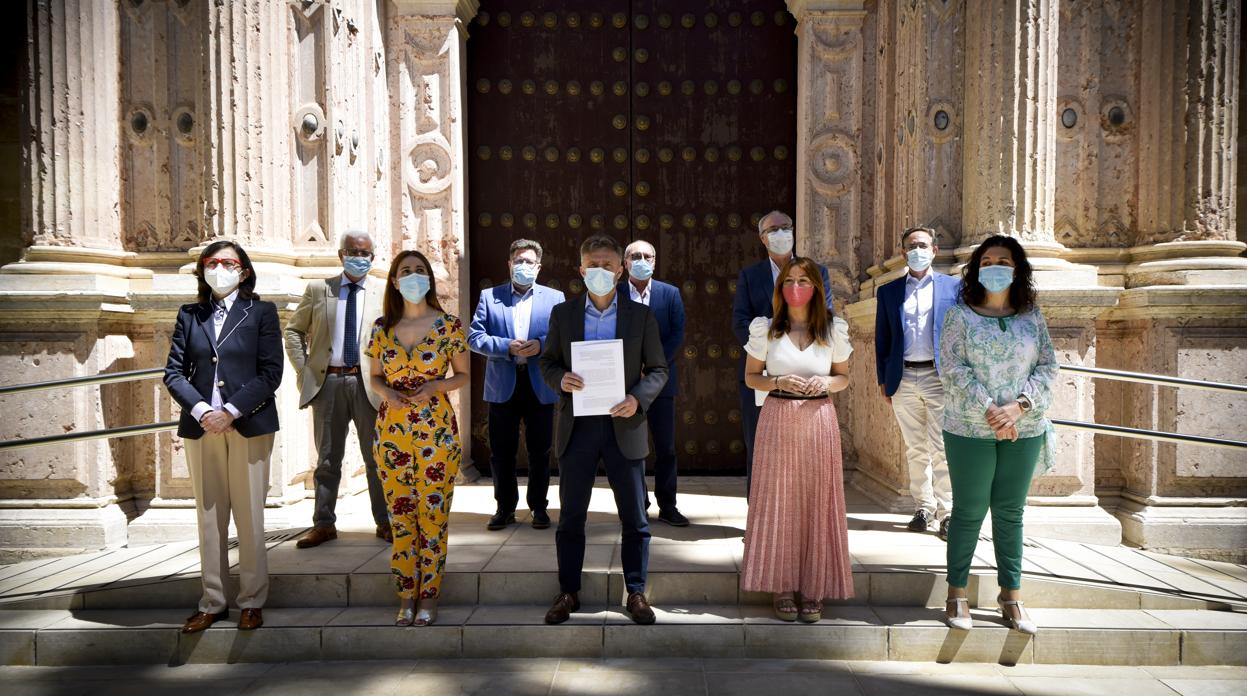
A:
x: 918, y: 317
x: 218, y: 322
x: 641, y: 296
x: 775, y: 269
x: 339, y: 322
x: 522, y: 308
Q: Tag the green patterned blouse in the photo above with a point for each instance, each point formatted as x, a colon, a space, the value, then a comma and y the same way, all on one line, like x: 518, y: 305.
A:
x: 987, y: 360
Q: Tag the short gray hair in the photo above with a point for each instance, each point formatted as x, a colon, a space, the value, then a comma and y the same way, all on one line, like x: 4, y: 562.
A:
x: 525, y: 245
x: 356, y: 234
x: 773, y: 212
x: 635, y: 242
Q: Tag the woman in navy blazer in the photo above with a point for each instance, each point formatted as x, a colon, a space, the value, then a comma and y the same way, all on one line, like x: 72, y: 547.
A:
x: 224, y: 366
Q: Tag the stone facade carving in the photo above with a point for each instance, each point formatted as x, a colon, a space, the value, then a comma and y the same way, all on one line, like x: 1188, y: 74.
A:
x: 1102, y: 134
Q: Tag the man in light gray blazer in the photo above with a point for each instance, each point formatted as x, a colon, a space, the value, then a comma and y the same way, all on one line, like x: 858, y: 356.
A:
x: 324, y: 338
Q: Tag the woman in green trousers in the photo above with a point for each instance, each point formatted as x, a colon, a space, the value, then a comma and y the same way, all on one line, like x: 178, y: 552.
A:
x: 999, y: 370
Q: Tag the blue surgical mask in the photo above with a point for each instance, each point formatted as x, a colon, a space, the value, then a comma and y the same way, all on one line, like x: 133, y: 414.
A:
x: 919, y: 259
x: 524, y: 274
x: 780, y: 241
x: 996, y: 278
x: 414, y: 287
x: 641, y: 269
x: 357, y: 266
x: 599, y: 281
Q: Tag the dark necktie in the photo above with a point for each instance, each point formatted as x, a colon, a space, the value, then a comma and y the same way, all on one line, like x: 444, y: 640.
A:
x: 350, y: 332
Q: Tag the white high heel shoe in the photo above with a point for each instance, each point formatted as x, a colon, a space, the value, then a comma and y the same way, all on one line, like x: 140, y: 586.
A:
x: 958, y: 621
x: 1023, y: 625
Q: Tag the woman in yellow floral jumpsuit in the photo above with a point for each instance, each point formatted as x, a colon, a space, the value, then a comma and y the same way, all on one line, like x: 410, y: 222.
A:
x: 418, y: 355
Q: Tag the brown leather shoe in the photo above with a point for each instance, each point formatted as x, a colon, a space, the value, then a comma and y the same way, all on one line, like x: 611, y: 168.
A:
x: 384, y: 532
x: 317, y: 536
x: 564, y: 605
x: 200, y: 621
x: 251, y: 619
x: 640, y: 609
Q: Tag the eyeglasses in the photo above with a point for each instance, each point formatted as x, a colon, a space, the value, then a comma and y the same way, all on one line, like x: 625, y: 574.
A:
x: 638, y: 256
x: 211, y: 263
x: 360, y: 253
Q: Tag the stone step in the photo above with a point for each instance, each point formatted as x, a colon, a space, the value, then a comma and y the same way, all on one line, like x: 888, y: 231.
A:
x: 1066, y: 636
x: 878, y: 588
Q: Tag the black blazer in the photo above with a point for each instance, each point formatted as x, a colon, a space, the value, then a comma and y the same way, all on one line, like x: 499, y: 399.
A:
x: 645, y: 368
x: 250, y: 364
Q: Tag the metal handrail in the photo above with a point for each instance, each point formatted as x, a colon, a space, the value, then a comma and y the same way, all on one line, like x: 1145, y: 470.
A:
x: 1146, y: 378
x: 1141, y: 434
x: 93, y: 380
x: 109, y: 378
x: 107, y: 433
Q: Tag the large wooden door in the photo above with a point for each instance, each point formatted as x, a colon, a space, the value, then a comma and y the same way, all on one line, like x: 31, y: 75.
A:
x: 672, y: 121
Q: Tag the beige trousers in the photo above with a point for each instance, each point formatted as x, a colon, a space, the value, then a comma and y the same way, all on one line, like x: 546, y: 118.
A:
x: 229, y: 472
x: 919, y: 408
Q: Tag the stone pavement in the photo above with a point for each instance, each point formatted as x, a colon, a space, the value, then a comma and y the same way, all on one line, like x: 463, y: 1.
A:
x: 668, y: 677
x: 1095, y: 604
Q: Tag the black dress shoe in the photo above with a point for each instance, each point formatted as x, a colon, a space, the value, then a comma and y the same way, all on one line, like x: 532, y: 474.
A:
x: 562, y: 609
x: 921, y: 521
x: 639, y: 609
x: 673, y: 517
x: 500, y: 520
x: 943, y: 533
x: 541, y: 520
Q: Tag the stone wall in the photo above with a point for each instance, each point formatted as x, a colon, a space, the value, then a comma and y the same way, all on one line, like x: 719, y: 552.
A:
x: 1100, y: 133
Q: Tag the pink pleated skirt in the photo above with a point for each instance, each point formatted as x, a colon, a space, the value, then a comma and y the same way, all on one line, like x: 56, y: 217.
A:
x: 796, y: 537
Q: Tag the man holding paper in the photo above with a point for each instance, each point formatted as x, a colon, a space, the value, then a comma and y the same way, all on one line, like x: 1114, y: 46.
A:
x: 604, y: 357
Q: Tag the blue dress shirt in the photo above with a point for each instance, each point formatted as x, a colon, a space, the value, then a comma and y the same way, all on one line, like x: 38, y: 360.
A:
x: 600, y: 326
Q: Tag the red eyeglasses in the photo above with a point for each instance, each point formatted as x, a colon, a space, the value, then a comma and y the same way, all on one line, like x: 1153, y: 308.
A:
x: 228, y: 264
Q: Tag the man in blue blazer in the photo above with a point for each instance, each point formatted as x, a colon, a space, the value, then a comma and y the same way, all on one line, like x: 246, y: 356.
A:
x: 509, y: 329
x: 909, y: 317
x: 664, y: 301
x: 755, y: 289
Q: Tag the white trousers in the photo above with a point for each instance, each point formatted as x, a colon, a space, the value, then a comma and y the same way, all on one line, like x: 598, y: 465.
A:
x: 919, y: 407
x: 229, y: 472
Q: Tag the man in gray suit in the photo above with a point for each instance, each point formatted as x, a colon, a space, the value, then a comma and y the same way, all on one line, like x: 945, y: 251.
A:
x: 323, y: 341
x: 621, y: 440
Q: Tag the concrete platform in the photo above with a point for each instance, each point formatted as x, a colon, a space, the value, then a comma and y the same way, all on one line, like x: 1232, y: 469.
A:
x: 1095, y: 604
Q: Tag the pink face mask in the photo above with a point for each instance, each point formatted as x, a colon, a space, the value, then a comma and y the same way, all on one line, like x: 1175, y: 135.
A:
x: 798, y: 296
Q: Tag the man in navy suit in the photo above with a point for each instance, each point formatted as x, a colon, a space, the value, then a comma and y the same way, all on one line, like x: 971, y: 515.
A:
x: 509, y: 329
x: 909, y: 317
x: 663, y: 299
x: 755, y: 288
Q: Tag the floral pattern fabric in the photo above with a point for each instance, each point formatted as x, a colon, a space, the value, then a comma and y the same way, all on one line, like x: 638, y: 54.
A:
x: 418, y: 454
x: 986, y: 360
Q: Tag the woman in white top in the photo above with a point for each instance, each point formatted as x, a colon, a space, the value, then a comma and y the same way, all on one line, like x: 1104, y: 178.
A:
x: 796, y: 537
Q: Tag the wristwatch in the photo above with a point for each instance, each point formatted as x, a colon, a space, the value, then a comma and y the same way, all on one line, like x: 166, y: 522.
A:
x: 1025, y: 402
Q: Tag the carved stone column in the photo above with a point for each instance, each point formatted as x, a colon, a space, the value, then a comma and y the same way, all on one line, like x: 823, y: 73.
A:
x: 60, y: 307
x: 428, y: 139
x: 829, y: 135
x: 1184, y: 310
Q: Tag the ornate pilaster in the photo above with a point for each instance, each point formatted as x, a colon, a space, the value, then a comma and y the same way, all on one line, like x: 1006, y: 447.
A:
x: 428, y: 139
x: 829, y: 135
x: 59, y: 306
x: 1010, y: 140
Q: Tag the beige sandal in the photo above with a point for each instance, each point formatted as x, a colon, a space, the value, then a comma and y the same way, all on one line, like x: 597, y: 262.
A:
x: 811, y: 610
x: 785, y: 607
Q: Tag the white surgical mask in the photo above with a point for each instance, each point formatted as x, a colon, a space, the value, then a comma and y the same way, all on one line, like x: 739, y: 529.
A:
x: 222, y: 280
x: 780, y: 241
x: 919, y: 259
x: 599, y: 281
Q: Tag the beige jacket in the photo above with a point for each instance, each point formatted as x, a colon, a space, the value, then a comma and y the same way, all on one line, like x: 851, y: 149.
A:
x: 309, y: 333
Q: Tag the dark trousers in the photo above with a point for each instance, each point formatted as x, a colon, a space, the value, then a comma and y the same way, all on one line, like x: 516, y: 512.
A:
x: 661, y: 418
x: 504, y: 443
x: 749, y: 419
x: 593, y: 440
x: 340, y: 402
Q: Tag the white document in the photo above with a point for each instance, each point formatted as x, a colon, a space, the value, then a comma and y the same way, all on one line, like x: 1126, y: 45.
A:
x: 601, y: 365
